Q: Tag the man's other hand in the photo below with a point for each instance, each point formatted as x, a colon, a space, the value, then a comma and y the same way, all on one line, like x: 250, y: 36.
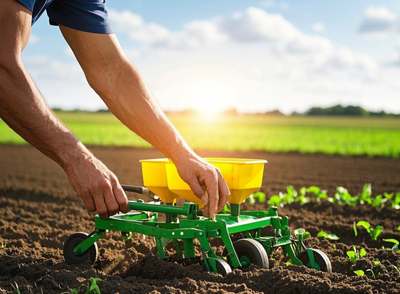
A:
x: 96, y: 185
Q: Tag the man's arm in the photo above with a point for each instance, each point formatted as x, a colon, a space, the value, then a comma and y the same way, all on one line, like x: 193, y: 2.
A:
x: 23, y: 108
x: 120, y: 86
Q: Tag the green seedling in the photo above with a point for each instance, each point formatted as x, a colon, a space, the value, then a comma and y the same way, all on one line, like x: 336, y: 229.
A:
x: 325, y: 235
x: 93, y: 288
x: 3, y: 245
x: 276, y: 200
x: 396, y: 201
x: 374, y: 232
x: 359, y: 272
x: 398, y: 228
x: 302, y: 198
x: 355, y: 229
x: 376, y: 262
x: 306, y: 235
x: 372, y: 273
x: 343, y: 197
x: 288, y: 263
x: 260, y: 196
x: 16, y: 288
x: 355, y: 255
x: 396, y: 243
x: 366, y: 194
x: 320, y: 194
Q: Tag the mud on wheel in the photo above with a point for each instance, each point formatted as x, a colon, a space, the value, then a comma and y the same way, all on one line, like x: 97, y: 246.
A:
x: 250, y: 251
x: 223, y: 267
x: 320, y: 258
x: 70, y: 244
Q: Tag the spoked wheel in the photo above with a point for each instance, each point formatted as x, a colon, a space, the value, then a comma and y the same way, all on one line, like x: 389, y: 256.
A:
x: 250, y: 251
x: 69, y: 245
x: 320, y: 258
x: 223, y: 267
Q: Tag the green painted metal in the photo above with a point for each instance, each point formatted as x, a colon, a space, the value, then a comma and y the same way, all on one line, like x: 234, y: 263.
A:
x: 194, y: 230
x: 85, y: 245
x: 312, y: 261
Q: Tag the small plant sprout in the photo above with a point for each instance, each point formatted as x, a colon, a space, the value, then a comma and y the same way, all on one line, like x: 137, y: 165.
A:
x: 355, y: 255
x: 398, y: 228
x: 374, y: 232
x: 306, y: 235
x: 260, y: 196
x: 3, y: 245
x: 93, y: 288
x: 396, y: 243
x: 16, y: 288
x: 372, y: 273
x: 325, y: 235
x: 359, y: 272
x: 355, y: 229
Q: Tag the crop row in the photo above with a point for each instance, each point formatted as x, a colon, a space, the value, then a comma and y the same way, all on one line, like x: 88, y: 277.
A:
x: 341, y: 197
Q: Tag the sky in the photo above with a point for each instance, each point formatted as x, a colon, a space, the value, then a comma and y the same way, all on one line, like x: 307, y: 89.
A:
x: 255, y: 56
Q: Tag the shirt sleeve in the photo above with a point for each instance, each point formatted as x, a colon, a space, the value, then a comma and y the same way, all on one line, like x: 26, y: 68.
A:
x: 84, y: 15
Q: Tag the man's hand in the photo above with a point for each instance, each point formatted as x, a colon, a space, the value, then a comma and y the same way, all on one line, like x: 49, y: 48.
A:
x: 96, y: 185
x: 198, y: 173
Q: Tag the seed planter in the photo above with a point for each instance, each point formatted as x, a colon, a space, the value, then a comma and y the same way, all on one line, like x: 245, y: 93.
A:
x: 186, y: 227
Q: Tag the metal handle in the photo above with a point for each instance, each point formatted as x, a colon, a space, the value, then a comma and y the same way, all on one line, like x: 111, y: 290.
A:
x: 141, y: 190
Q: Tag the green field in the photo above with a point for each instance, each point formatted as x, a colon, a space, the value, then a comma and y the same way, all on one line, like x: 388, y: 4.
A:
x: 331, y: 135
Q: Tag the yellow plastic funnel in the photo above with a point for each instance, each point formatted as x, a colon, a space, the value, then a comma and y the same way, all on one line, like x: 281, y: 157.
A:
x: 155, y: 178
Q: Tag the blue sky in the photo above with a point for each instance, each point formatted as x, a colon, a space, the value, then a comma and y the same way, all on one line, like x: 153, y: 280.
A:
x: 252, y: 55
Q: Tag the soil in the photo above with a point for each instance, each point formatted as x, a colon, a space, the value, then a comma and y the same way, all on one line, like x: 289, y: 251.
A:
x: 39, y: 210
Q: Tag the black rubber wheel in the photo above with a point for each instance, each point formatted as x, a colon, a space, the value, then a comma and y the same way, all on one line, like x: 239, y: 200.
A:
x: 223, y: 267
x: 72, y: 242
x: 320, y: 257
x: 251, y: 251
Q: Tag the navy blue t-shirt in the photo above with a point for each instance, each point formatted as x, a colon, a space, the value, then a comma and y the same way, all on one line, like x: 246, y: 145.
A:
x: 84, y: 15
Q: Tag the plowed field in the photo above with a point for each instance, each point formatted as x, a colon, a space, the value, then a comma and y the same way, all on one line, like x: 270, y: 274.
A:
x: 39, y: 210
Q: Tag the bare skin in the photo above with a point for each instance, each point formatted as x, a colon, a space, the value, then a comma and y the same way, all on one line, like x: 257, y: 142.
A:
x: 120, y: 86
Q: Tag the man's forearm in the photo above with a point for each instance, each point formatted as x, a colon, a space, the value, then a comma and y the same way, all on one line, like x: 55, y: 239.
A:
x: 131, y: 101
x: 25, y: 111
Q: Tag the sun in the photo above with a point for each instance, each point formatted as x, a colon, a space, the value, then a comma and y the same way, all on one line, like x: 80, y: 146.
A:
x: 209, y: 105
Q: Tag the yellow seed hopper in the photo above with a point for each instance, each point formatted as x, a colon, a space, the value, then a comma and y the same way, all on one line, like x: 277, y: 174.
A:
x: 243, y: 176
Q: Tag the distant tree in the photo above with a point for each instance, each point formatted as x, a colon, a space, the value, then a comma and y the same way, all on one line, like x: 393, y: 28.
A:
x: 275, y: 112
x: 231, y: 112
x: 102, y: 110
x: 338, y: 110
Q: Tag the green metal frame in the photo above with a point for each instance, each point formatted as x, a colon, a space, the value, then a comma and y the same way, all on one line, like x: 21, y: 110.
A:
x: 193, y: 226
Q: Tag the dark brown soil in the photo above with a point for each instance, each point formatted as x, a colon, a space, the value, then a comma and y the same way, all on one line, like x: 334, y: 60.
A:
x: 39, y: 210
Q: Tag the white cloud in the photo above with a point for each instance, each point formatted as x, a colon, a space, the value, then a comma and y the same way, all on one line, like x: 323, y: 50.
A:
x: 318, y: 27
x: 137, y: 30
x: 68, y: 51
x: 195, y: 34
x: 255, y: 25
x: 267, y: 3
x: 33, y: 39
x: 378, y: 22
